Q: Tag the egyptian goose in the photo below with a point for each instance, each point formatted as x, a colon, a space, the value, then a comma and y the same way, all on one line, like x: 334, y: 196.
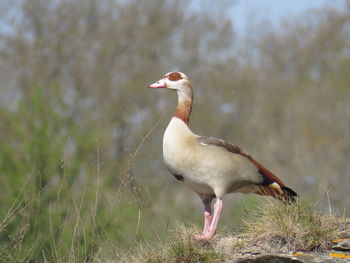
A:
x: 209, y: 166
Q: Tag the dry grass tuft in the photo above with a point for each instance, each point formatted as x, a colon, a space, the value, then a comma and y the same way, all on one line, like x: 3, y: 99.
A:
x: 296, y: 226
x: 184, y: 248
x: 181, y: 247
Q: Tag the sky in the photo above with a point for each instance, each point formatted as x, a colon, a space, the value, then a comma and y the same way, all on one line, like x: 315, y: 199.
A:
x: 247, y: 11
x: 274, y: 10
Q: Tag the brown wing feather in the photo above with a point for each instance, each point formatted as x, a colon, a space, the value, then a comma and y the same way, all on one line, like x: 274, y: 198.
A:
x: 265, y: 172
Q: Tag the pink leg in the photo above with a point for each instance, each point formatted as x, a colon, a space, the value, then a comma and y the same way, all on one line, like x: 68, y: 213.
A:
x: 207, y: 217
x: 207, y: 220
x: 210, y: 232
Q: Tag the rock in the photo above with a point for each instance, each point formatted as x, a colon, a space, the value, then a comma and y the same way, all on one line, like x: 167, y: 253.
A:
x: 339, y: 255
x: 251, y: 251
x: 318, y: 257
x: 341, y: 245
x: 269, y: 259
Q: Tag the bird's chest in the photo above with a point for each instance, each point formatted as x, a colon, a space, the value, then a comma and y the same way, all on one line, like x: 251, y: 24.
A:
x: 177, y: 144
x: 184, y: 168
x: 179, y: 152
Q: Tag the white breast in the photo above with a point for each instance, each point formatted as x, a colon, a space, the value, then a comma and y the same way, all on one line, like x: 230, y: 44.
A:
x: 177, y: 144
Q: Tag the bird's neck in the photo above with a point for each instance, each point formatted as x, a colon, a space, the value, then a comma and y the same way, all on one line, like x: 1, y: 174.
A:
x: 184, y: 105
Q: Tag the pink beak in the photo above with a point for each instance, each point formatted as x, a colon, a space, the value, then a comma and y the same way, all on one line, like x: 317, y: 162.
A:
x: 158, y: 85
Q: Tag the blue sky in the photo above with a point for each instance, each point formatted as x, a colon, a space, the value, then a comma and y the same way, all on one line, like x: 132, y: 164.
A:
x: 245, y: 11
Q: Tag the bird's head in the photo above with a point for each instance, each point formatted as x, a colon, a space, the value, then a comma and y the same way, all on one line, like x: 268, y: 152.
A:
x: 174, y: 81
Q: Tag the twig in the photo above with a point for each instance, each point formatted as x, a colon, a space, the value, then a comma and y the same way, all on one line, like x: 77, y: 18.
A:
x: 329, y: 203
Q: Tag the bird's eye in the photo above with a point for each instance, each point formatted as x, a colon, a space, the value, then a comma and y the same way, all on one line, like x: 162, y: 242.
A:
x: 174, y: 76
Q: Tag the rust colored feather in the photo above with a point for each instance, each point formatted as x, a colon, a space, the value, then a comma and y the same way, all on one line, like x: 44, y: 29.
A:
x: 265, y: 172
x: 183, y: 111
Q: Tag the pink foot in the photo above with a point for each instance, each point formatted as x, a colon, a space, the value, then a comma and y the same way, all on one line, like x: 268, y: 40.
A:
x: 207, y: 235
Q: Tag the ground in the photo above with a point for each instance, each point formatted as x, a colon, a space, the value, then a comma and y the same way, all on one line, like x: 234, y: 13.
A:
x: 274, y: 232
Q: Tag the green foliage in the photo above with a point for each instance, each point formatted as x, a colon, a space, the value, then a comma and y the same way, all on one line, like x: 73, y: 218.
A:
x: 40, y: 203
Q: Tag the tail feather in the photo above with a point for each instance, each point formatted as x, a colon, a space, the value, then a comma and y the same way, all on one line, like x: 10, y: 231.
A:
x: 290, y: 194
x: 283, y: 193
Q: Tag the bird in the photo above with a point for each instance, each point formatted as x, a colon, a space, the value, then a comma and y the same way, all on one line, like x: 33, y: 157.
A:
x: 210, y: 166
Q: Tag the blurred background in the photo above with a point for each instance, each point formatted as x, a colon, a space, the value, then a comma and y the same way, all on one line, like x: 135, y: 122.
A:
x: 81, y: 170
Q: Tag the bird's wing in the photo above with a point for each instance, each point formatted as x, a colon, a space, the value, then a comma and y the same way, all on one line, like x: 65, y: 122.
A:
x: 268, y: 176
x: 271, y: 184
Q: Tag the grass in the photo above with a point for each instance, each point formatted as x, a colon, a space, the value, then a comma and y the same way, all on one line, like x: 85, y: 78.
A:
x: 61, y: 203
x: 272, y: 227
x: 180, y: 247
x: 296, y: 226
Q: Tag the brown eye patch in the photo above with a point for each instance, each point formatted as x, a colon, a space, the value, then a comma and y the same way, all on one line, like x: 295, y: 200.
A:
x: 174, y: 76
